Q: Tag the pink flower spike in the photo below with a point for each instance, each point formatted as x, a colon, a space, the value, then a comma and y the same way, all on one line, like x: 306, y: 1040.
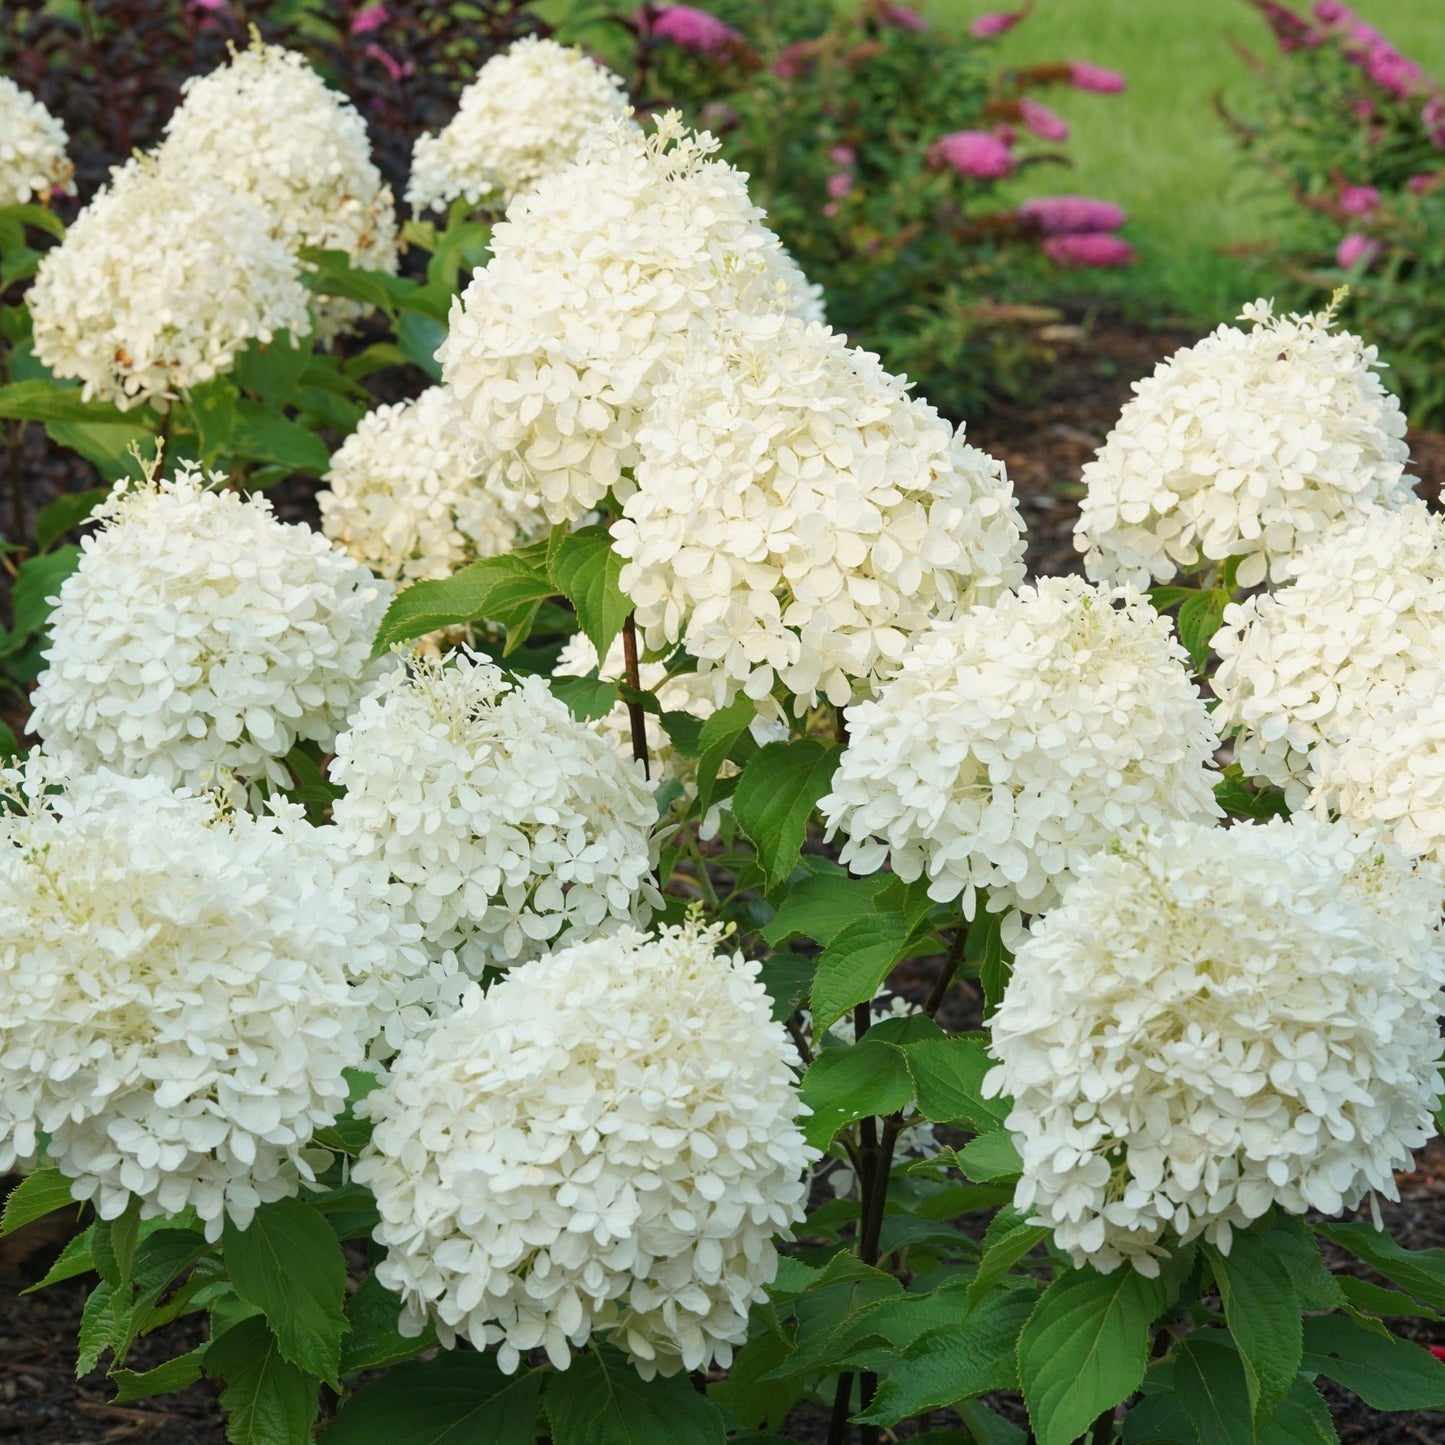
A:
x: 691, y: 28
x: 1045, y: 123
x: 1393, y: 72
x: 792, y: 58
x: 843, y: 155
x: 372, y: 18
x: 1095, y: 249
x: 973, y: 153
x: 1290, y: 30
x: 1071, y: 215
x: 1356, y: 250
x: 389, y: 62
x: 996, y: 22
x: 1422, y: 185
x: 900, y: 17
x: 1083, y: 76
x: 1359, y: 200
x: 1432, y: 117
x: 839, y: 184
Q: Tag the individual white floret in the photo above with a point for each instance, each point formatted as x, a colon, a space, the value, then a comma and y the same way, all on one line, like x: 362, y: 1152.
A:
x: 1248, y: 444
x: 510, y: 823
x: 159, y: 284
x: 175, y: 1010
x: 403, y: 497
x: 525, y: 116
x: 1389, y: 776
x: 1016, y: 740
x: 33, y: 162
x: 595, y: 275
x: 1219, y: 1021
x: 1361, y: 627
x: 797, y: 515
x: 199, y: 635
x: 270, y: 130
x: 601, y: 1145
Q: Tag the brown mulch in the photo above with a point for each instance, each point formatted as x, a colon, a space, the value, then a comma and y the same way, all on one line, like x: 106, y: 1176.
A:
x: 1045, y: 444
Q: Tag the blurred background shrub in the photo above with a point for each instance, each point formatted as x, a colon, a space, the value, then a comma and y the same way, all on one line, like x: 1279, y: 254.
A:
x: 1354, y: 129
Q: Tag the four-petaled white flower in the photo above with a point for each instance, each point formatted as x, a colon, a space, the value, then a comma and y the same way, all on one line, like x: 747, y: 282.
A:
x: 1359, y: 630
x: 176, y: 1009
x: 402, y: 496
x: 271, y: 130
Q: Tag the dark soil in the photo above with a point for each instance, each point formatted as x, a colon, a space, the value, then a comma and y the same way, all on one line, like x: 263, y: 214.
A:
x: 1044, y: 443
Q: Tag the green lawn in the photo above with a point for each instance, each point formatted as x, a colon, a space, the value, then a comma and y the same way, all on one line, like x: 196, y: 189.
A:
x: 1159, y: 149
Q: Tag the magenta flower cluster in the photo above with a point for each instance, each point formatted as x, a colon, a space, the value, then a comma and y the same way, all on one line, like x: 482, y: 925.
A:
x: 979, y: 154
x: 689, y: 28
x: 1371, y: 51
x: 1077, y: 230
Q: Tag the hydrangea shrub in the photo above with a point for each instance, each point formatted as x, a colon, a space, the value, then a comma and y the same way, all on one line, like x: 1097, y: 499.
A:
x: 782, y: 958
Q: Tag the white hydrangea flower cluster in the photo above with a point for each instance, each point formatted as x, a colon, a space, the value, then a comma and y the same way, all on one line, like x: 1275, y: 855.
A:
x: 137, y: 315
x: 797, y: 515
x: 1361, y: 628
x: 404, y: 500
x: 1249, y: 444
x: 270, y: 129
x: 526, y: 115
x: 1218, y: 1021
x: 175, y: 1013
x: 602, y: 1144
x: 200, y: 636
x: 33, y: 162
x: 558, y: 341
x: 1389, y: 776
x: 510, y: 823
x: 398, y: 982
x: 1016, y: 740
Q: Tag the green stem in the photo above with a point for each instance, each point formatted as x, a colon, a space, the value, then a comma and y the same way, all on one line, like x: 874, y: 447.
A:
x: 946, y: 974
x: 635, y: 714
x: 842, y: 1398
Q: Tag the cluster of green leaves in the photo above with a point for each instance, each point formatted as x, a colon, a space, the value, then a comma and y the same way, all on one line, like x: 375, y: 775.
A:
x: 917, y: 263
x: 1318, y: 122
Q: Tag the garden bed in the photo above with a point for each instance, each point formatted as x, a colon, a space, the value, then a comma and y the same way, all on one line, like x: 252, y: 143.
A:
x: 1044, y: 444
